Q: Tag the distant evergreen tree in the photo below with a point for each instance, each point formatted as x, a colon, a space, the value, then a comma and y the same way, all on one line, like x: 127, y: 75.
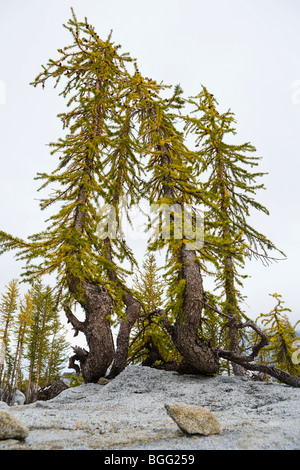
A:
x: 150, y: 343
x: 45, y: 356
x: 281, y: 336
x: 38, y: 336
x: 8, y: 308
x: 149, y: 287
x: 173, y: 183
x: 23, y: 323
x: 58, y: 350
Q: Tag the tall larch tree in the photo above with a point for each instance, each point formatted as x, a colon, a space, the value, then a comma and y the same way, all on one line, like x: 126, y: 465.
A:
x: 172, y: 184
x: 97, y: 167
x: 231, y: 185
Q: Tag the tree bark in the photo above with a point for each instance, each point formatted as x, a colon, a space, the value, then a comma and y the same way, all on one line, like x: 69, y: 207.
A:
x: 133, y: 308
x: 195, y: 351
x: 97, y: 305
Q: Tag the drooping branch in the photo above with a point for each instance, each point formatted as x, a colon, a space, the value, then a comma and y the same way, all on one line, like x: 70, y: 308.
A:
x: 166, y: 322
x: 265, y: 259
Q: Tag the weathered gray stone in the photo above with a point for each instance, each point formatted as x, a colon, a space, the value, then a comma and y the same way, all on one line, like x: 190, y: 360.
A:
x: 193, y: 419
x: 128, y: 413
x: 11, y: 427
x: 19, y: 398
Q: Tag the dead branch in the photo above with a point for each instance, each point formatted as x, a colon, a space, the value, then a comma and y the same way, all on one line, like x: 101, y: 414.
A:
x: 80, y: 355
x: 247, y: 361
x: 77, y: 325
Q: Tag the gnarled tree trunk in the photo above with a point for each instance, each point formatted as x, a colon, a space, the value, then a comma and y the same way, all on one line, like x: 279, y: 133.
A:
x: 202, y: 357
x: 97, y: 304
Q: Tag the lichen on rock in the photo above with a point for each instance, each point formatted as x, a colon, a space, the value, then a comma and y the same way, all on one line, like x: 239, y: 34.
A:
x: 11, y: 427
x: 193, y: 419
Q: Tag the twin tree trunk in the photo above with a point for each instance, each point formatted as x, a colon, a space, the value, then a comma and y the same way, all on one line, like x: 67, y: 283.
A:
x: 97, y: 304
x: 97, y: 329
x: 201, y: 357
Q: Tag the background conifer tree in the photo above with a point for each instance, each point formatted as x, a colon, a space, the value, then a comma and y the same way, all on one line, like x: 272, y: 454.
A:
x: 8, y: 308
x: 23, y: 323
x: 59, y: 350
x: 149, y: 287
x: 45, y: 349
x: 150, y: 343
x: 281, y: 336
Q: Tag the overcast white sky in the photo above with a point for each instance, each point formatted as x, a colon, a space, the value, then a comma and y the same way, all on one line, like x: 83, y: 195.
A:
x: 246, y: 52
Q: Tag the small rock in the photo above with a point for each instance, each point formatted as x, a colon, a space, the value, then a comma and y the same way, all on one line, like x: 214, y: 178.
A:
x: 11, y: 428
x: 193, y: 419
x: 103, y: 381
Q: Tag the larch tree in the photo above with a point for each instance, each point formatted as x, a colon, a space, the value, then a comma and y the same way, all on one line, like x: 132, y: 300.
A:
x: 150, y: 345
x: 8, y: 309
x: 148, y: 286
x: 231, y: 185
x: 43, y: 354
x: 282, y: 336
x: 23, y: 323
x: 97, y: 167
x: 172, y: 183
x: 58, y: 350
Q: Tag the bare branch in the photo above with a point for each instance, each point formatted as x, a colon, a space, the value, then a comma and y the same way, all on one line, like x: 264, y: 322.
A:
x: 216, y: 310
x: 77, y: 325
x: 80, y: 355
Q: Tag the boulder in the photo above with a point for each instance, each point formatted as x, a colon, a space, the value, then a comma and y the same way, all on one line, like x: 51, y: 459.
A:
x: 192, y: 419
x: 11, y: 427
x: 52, y: 390
x: 19, y: 398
